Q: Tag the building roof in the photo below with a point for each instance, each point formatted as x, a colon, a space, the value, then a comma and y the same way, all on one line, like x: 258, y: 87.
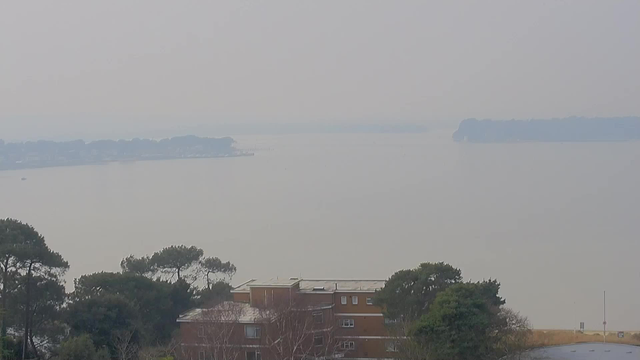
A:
x: 273, y: 282
x: 315, y: 285
x: 341, y: 285
x: 227, y: 311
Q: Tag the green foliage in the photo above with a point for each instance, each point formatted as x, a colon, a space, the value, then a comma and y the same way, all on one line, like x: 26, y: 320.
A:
x: 30, y: 271
x: 12, y: 348
x: 79, y: 348
x: 408, y: 294
x: 100, y: 316
x: 102, y: 354
x: 175, y: 260
x: 28, y: 247
x: 104, y: 283
x: 514, y: 334
x: 103, y: 305
x: 12, y: 238
x: 463, y: 323
x: 48, y: 296
x: 139, y: 266
x: 45, y: 313
x: 181, y: 296
x: 216, y: 293
x: 446, y: 319
x: 157, y: 303
x: 212, y: 265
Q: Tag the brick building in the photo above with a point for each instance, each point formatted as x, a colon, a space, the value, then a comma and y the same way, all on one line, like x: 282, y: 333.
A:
x: 289, y: 319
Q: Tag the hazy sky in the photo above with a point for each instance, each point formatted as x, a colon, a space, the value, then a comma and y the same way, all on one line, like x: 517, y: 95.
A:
x: 90, y: 67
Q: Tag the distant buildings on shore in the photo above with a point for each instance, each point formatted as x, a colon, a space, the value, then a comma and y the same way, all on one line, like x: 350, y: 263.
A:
x: 37, y: 154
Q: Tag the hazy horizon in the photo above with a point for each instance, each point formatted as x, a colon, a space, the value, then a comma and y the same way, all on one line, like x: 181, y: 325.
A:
x: 102, y: 68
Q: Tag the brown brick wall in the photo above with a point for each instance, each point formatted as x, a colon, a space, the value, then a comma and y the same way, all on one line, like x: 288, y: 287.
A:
x: 242, y: 297
x: 317, y: 298
x: 194, y: 343
x: 369, y: 348
x: 267, y: 296
x: 190, y: 333
x: 362, y: 306
x: 363, y: 326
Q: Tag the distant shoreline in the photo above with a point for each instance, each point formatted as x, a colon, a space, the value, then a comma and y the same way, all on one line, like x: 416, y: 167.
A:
x: 107, y: 162
x: 573, y: 129
x: 44, y: 154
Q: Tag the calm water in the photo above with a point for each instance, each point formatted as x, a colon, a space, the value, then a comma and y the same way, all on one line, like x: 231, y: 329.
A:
x: 555, y: 223
x: 586, y: 352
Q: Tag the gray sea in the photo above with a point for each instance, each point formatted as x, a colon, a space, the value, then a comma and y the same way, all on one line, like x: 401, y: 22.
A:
x: 555, y: 223
x: 586, y: 352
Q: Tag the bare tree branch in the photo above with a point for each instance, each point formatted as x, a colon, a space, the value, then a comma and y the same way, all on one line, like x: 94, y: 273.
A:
x: 124, y: 345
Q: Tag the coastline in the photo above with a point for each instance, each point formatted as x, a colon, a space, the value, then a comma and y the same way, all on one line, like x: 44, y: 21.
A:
x: 106, y: 162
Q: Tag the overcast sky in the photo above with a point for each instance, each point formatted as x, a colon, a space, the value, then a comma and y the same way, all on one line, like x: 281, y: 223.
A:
x: 96, y: 67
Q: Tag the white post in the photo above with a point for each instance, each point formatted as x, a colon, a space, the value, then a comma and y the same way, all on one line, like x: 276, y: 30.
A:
x: 604, y: 323
x: 574, y: 318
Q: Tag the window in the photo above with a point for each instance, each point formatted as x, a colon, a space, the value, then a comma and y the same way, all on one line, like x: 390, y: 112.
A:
x: 254, y: 355
x: 318, y: 317
x: 202, y: 355
x: 392, y: 346
x: 201, y: 331
x: 343, y: 300
x: 347, y: 323
x: 354, y: 300
x: 252, y: 332
x: 318, y: 340
x: 369, y: 301
x: 348, y: 345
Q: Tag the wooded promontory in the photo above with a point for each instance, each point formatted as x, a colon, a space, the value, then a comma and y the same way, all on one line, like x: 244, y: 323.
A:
x: 573, y: 129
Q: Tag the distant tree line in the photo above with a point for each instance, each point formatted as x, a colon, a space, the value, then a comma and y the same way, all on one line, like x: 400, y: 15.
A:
x: 50, y: 153
x: 109, y: 315
x: 573, y: 129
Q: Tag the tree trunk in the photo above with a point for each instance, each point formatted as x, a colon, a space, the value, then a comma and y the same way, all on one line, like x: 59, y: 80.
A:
x: 33, y: 345
x: 25, y: 343
x: 3, y: 332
